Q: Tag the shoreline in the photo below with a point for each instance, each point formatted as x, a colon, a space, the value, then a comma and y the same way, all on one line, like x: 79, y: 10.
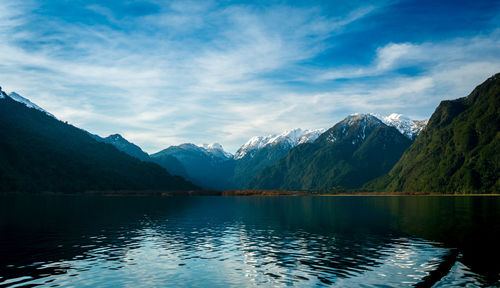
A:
x: 238, y: 193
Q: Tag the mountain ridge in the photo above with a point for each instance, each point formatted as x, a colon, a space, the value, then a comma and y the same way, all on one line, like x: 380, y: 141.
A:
x: 408, y: 127
x: 355, y: 150
x: 291, y: 137
x: 40, y: 153
x: 124, y: 145
x: 209, y: 165
x: 18, y: 98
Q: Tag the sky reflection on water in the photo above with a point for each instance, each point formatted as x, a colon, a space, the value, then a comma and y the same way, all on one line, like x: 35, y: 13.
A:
x: 254, y: 241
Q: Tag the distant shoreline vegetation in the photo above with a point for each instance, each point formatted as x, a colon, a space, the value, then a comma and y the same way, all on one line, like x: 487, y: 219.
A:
x: 239, y: 193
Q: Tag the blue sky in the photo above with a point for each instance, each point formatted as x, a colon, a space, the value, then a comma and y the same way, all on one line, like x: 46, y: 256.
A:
x: 167, y: 72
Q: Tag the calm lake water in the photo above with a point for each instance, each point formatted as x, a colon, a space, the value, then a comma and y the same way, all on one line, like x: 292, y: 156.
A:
x: 98, y: 241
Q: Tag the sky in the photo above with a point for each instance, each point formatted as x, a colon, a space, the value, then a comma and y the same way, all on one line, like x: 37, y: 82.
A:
x: 163, y: 73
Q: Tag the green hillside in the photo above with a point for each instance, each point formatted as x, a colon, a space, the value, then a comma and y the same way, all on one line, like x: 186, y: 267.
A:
x: 458, y: 152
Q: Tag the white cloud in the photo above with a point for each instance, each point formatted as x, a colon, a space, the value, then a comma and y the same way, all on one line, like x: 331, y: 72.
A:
x: 430, y: 56
x: 388, y: 55
x: 105, y: 80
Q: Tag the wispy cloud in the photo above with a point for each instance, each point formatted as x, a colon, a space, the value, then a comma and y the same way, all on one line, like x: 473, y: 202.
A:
x: 163, y: 74
x: 443, y: 55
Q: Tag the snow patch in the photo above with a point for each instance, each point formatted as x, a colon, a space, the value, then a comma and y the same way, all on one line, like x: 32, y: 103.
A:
x: 216, y: 150
x: 18, y: 98
x: 212, y: 150
x: 408, y: 127
x: 331, y: 138
x: 360, y: 121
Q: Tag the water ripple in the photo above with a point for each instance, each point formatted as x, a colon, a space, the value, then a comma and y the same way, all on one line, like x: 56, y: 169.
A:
x: 194, y: 247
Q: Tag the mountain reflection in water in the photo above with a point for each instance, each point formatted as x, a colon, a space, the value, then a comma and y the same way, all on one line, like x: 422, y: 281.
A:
x: 249, y: 241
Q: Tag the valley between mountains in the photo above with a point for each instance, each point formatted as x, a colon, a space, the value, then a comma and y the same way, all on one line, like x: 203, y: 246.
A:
x: 455, y: 151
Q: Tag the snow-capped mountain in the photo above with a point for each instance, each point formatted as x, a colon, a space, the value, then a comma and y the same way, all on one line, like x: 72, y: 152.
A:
x: 355, y: 150
x: 354, y: 127
x: 18, y: 98
x: 290, y: 138
x: 408, y: 127
x: 263, y: 151
x: 216, y: 150
x: 207, y: 165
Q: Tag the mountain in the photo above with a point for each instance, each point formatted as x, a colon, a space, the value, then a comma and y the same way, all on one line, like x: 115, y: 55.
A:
x: 125, y: 146
x: 40, y: 153
x: 170, y: 163
x: 458, y: 151
x: 18, y: 98
x: 212, y: 167
x: 208, y: 166
x: 216, y: 151
x: 357, y: 149
x: 260, y: 152
x: 287, y: 140
x: 408, y: 127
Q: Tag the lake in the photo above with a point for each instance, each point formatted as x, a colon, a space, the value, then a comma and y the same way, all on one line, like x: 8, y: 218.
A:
x: 99, y: 241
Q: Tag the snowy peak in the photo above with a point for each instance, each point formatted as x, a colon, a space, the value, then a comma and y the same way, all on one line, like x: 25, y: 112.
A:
x: 355, y: 127
x: 358, y: 126
x: 290, y: 138
x: 408, y: 127
x: 186, y: 147
x: 18, y: 98
x: 362, y: 119
x: 310, y: 136
x: 216, y: 150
